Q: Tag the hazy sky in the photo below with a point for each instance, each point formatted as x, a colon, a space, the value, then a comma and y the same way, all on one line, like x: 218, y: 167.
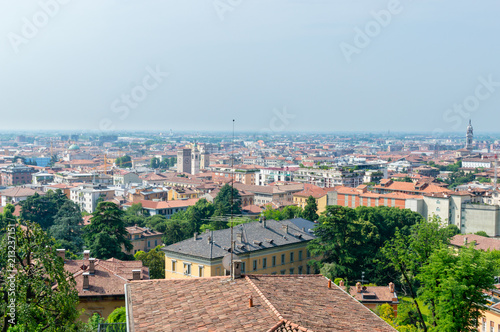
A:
x: 273, y: 65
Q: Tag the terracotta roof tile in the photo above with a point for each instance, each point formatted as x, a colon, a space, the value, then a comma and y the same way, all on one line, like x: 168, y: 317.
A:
x: 299, y: 302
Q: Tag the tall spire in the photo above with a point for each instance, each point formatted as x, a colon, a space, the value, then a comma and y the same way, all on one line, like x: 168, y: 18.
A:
x: 469, y: 136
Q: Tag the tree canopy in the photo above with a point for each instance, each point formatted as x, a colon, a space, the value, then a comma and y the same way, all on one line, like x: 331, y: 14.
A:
x: 39, y: 305
x: 106, y: 233
x: 311, y: 209
x: 42, y: 209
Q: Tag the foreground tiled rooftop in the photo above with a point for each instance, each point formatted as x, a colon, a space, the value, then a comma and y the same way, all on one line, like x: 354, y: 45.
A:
x: 280, y: 303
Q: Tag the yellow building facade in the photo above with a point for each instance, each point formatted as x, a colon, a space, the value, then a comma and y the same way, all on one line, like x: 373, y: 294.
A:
x: 301, y: 200
x: 279, y: 247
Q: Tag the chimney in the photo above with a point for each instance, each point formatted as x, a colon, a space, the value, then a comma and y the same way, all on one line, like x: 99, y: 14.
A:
x: 85, y: 280
x: 86, y: 254
x: 341, y: 283
x: 91, y: 265
x: 239, y: 237
x: 465, y: 240
x: 250, y: 301
x: 236, y: 269
x: 61, y: 253
x: 285, y: 229
x: 209, y: 239
x: 264, y: 222
x: 329, y: 283
x: 391, y: 287
x: 195, y: 236
x: 358, y: 287
x: 136, y: 274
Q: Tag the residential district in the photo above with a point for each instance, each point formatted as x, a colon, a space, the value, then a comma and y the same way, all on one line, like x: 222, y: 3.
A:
x: 251, y: 268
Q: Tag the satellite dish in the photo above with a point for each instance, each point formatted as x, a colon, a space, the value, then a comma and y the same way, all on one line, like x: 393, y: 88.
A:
x: 226, y: 261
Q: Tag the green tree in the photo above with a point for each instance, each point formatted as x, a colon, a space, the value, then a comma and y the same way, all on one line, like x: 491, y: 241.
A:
x: 311, y: 209
x: 482, y: 233
x: 119, y: 315
x: 344, y: 241
x: 407, y: 254
x: 42, y: 209
x: 223, y: 202
x: 124, y: 161
x: 106, y: 233
x: 175, y: 231
x: 272, y: 214
x: 154, y: 260
x: 453, y: 285
x: 93, y: 322
x: 7, y: 217
x: 154, y: 163
x: 291, y: 211
x: 135, y: 215
x: 46, y: 297
x: 67, y: 228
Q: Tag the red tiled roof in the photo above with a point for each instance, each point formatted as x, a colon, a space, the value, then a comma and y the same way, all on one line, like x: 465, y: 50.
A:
x: 148, y: 204
x: 109, y: 276
x: 301, y: 302
x: 482, y: 242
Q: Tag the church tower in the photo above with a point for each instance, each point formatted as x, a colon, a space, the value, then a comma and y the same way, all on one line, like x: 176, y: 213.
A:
x: 195, y: 160
x: 469, y: 137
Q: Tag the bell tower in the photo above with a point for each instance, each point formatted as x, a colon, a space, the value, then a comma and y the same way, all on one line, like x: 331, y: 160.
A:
x: 469, y: 137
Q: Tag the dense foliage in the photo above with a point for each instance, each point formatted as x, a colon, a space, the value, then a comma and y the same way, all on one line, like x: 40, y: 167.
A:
x: 42, y: 209
x: 349, y: 240
x: 154, y: 260
x: 39, y: 306
x: 106, y: 233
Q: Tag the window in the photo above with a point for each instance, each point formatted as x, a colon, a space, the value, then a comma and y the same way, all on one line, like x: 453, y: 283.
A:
x: 274, y: 260
x: 255, y: 265
x: 264, y: 263
x: 308, y: 254
x: 200, y: 270
x: 484, y: 324
x: 243, y: 267
x: 187, y: 269
x: 282, y: 271
x: 291, y: 257
x: 300, y: 255
x: 300, y: 269
x: 291, y: 270
x: 149, y: 244
x: 173, y: 265
x: 438, y: 209
x: 308, y: 269
x: 282, y: 259
x: 156, y: 243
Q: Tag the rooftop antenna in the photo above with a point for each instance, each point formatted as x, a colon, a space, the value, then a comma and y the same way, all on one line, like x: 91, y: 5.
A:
x: 232, y: 189
x: 495, y: 165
